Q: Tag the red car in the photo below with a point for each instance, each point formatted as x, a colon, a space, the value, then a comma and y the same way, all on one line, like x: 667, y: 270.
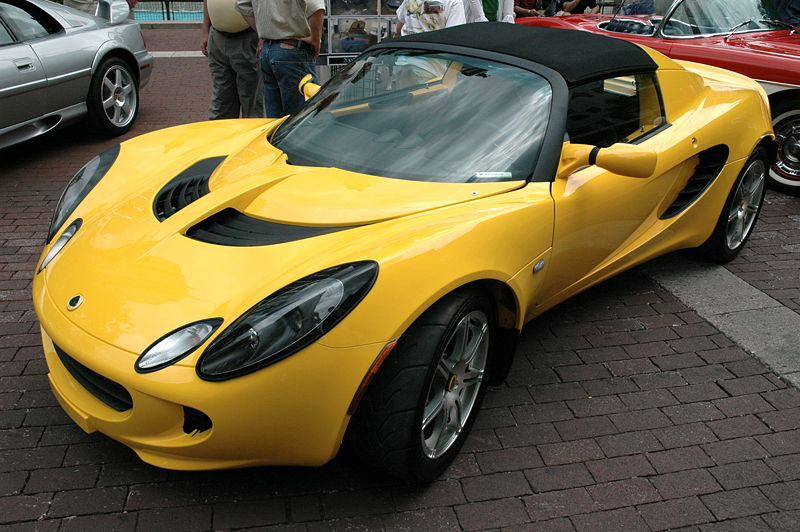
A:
x: 740, y: 35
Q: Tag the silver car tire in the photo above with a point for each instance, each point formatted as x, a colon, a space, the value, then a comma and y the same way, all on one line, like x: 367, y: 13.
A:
x: 419, y: 409
x: 113, y: 100
x: 738, y: 217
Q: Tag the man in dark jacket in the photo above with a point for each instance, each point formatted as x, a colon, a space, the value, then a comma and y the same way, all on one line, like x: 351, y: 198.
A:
x: 788, y: 11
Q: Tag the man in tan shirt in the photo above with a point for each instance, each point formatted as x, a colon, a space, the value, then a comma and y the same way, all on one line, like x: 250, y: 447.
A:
x: 290, y: 32
x: 230, y: 45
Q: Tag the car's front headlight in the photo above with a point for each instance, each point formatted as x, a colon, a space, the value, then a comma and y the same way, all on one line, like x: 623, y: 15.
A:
x: 62, y: 241
x: 287, y: 321
x: 176, y: 345
x: 80, y: 185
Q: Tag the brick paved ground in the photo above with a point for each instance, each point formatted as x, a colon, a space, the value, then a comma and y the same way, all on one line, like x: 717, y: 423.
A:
x: 625, y: 410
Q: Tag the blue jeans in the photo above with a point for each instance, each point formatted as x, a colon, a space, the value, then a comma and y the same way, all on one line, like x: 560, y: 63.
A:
x: 282, y: 70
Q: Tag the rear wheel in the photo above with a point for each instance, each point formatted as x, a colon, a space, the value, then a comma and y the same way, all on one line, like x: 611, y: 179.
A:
x: 113, y: 100
x: 784, y: 175
x: 418, y: 411
x: 739, y: 215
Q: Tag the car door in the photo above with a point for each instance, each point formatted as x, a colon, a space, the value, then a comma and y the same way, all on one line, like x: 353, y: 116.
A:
x: 598, y: 214
x: 23, y: 82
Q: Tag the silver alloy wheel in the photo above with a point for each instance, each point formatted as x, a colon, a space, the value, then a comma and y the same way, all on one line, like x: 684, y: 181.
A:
x: 787, y: 133
x: 746, y: 202
x: 118, y: 96
x: 455, y: 385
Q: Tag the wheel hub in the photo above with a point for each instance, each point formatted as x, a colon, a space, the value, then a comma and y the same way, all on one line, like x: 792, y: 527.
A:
x: 788, y: 136
x: 452, y: 384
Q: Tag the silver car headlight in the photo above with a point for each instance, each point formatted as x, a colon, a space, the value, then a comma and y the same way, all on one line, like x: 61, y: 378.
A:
x: 62, y: 241
x: 176, y: 345
x: 287, y: 321
x: 80, y: 185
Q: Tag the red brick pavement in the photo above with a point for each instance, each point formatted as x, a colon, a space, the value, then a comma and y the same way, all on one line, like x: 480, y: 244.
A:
x: 624, y: 410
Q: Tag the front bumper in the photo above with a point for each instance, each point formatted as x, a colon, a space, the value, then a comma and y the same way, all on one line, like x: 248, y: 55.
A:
x: 291, y: 413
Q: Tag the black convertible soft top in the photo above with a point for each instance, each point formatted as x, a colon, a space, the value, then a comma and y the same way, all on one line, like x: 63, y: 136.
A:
x: 577, y: 55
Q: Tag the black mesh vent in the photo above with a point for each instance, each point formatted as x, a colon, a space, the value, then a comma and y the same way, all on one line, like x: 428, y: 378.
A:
x: 104, y: 389
x: 233, y: 228
x: 711, y: 162
x: 195, y: 420
x: 186, y: 187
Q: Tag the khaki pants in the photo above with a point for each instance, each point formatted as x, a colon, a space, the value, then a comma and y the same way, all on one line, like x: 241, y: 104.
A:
x: 236, y: 83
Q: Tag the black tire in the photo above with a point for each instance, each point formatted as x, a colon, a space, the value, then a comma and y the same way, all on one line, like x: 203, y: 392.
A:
x: 784, y: 175
x: 387, y: 431
x: 113, y: 100
x: 740, y: 213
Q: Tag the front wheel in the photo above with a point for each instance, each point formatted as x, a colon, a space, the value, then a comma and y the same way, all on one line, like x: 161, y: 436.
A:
x: 784, y: 175
x: 418, y: 411
x: 739, y: 215
x: 113, y: 100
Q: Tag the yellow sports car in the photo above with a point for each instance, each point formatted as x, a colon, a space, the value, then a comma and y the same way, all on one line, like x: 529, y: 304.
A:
x: 252, y: 292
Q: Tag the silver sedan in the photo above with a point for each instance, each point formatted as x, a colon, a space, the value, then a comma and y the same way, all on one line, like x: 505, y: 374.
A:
x: 58, y: 65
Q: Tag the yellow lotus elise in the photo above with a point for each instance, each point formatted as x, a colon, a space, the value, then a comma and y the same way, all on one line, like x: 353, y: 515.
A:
x: 254, y: 292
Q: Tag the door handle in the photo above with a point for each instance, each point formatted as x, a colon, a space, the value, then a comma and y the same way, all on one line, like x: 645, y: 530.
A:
x: 25, y: 63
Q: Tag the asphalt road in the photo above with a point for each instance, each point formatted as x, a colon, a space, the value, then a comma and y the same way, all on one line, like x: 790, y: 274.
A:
x: 661, y: 399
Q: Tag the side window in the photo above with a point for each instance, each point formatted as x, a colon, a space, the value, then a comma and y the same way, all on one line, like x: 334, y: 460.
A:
x: 620, y: 109
x: 24, y: 25
x: 5, y: 37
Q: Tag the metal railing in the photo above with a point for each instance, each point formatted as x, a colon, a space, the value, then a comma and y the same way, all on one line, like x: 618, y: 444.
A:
x: 183, y: 10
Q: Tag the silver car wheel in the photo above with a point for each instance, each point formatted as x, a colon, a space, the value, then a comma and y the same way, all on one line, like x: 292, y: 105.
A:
x: 455, y: 385
x: 746, y: 202
x: 118, y: 96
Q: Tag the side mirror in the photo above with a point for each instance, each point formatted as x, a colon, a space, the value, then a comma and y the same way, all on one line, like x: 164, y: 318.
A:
x: 114, y: 11
x: 623, y: 159
x: 307, y: 87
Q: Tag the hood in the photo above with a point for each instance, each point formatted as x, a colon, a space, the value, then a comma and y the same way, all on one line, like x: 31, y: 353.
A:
x: 142, y: 277
x: 276, y: 191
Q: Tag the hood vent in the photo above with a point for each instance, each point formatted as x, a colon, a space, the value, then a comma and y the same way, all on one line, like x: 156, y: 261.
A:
x: 709, y: 165
x: 188, y: 186
x: 233, y: 228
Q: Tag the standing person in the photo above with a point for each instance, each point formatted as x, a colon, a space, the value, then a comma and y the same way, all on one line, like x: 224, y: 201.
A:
x: 499, y: 10
x: 291, y: 35
x: 577, y: 7
x: 788, y: 11
x: 417, y: 16
x: 230, y: 45
x: 534, y: 8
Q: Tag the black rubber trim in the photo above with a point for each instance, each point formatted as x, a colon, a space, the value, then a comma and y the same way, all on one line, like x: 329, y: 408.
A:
x: 185, y: 188
x: 106, y: 390
x: 710, y: 164
x: 233, y: 228
x: 593, y: 155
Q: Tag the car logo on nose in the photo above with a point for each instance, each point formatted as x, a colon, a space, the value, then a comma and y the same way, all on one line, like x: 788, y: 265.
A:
x: 75, y: 302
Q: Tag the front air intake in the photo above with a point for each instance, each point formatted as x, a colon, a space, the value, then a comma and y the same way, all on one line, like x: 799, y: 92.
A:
x: 106, y: 390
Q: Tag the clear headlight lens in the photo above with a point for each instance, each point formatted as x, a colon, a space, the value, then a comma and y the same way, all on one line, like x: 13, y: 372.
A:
x: 287, y: 321
x: 176, y: 345
x: 80, y: 185
x: 65, y: 237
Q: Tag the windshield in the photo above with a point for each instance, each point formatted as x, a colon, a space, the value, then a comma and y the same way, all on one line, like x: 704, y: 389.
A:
x: 705, y: 17
x: 424, y: 116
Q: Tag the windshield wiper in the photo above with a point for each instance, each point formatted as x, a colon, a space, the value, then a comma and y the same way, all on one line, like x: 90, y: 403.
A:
x: 794, y: 29
x: 736, y: 27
